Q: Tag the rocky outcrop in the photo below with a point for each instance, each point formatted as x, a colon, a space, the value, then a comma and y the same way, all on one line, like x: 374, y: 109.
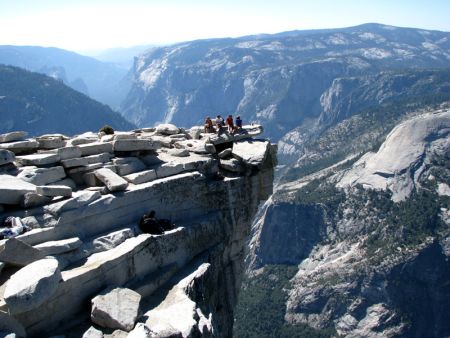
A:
x: 369, y: 236
x: 92, y: 240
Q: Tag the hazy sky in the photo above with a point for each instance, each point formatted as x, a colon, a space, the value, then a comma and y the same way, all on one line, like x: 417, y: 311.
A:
x: 88, y: 25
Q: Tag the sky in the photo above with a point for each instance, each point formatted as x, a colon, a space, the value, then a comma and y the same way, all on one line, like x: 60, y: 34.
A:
x: 88, y: 26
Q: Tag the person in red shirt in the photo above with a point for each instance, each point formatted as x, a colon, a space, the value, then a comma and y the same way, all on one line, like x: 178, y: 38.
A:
x: 230, y: 124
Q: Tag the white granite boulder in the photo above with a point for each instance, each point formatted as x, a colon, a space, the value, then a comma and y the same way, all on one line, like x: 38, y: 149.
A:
x: 42, y: 176
x: 54, y: 190
x: 51, y: 141
x: 17, y: 253
x: 6, y: 156
x: 32, y: 285
x: 178, y: 152
x: 58, y: 247
x: 13, y: 136
x: 167, y: 129
x: 128, y: 165
x: 95, y: 148
x: 225, y: 153
x: 140, y: 331
x: 112, y: 181
x: 169, y: 169
x: 116, y: 309
x: 12, y: 189
x: 68, y: 152
x: 251, y: 152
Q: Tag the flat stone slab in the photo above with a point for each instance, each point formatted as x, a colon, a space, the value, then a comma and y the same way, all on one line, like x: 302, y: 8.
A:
x: 38, y: 159
x: 13, y: 136
x: 112, y: 240
x: 112, y: 181
x: 141, y: 177
x: 128, y: 165
x: 32, y: 285
x: 42, y: 176
x: 68, y: 152
x: 135, y: 145
x: 17, y: 253
x: 100, y: 158
x: 74, y: 162
x: 59, y: 247
x: 232, y: 165
x: 6, y: 156
x: 54, y: 190
x: 169, y: 169
x: 116, y: 309
x: 95, y: 148
x: 12, y: 189
x: 51, y: 142
x: 251, y: 152
x: 178, y: 152
x: 20, y: 146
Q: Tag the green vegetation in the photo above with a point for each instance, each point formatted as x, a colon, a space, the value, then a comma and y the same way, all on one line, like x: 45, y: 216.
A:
x: 262, y: 305
x: 108, y: 130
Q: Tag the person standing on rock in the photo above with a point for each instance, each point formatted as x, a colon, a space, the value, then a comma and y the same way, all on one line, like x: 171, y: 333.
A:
x: 238, y: 123
x: 219, y: 124
x: 230, y: 124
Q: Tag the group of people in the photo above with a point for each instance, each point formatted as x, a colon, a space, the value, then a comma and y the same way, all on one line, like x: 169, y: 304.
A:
x: 220, y: 124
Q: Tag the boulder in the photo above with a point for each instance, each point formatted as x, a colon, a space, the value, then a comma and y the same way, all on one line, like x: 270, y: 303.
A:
x: 95, y: 148
x: 20, y: 146
x: 111, y: 240
x: 74, y: 162
x: 33, y: 200
x: 79, y: 199
x: 38, y: 159
x: 6, y: 156
x: 167, y: 129
x: 251, y: 152
x: 232, y: 165
x: 13, y: 136
x: 112, y: 181
x: 135, y: 145
x: 17, y: 253
x: 195, y: 132
x: 12, y: 189
x: 32, y: 285
x: 116, y: 309
x: 141, y: 177
x: 9, y: 324
x: 54, y: 190
x: 68, y: 152
x: 59, y: 247
x: 42, y: 176
x: 92, y: 332
x: 178, y: 152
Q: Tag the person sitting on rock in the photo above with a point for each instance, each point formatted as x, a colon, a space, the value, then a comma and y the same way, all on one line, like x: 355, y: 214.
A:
x: 219, y: 124
x: 208, y: 125
x: 238, y: 123
x: 150, y: 225
x: 13, y: 227
x: 230, y: 124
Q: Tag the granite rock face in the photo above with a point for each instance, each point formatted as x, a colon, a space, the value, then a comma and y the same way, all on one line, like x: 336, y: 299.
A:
x: 94, y: 238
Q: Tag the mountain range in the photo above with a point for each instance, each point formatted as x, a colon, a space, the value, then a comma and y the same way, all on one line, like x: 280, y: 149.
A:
x: 39, y: 104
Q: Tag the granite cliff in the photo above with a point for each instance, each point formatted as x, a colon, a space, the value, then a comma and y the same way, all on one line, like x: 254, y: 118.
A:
x: 82, y: 198
x: 363, y: 242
